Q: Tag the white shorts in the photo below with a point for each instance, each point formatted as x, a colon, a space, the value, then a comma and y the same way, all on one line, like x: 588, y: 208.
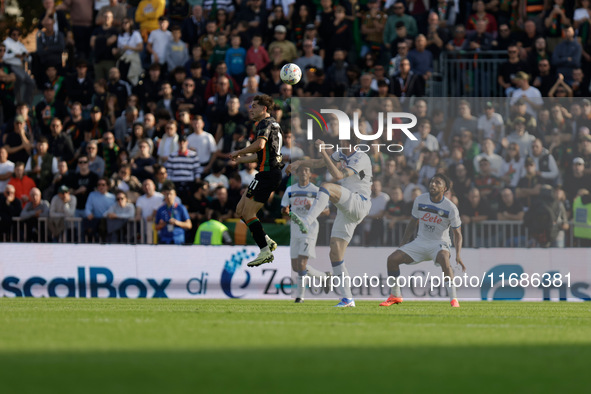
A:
x: 302, y: 247
x: 420, y: 250
x: 352, y: 209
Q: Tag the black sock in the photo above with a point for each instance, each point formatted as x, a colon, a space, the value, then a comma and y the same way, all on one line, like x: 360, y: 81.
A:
x: 256, y: 229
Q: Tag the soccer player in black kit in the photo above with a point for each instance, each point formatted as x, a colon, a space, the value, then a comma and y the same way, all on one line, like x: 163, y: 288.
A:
x: 269, y: 139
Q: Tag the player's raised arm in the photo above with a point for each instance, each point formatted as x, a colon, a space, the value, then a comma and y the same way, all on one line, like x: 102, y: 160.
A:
x: 458, y: 244
x: 311, y: 163
x: 256, y: 146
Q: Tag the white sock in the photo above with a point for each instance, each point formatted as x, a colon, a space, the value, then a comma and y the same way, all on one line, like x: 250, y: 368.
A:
x: 344, y: 288
x: 317, y: 207
x: 300, y: 289
x: 395, y: 290
x: 451, y: 289
x: 314, y: 272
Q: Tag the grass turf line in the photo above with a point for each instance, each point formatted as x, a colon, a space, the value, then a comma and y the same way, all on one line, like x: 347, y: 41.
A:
x: 169, y: 346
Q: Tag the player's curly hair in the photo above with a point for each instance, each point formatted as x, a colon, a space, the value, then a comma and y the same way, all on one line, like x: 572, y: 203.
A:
x: 444, y: 178
x: 265, y: 100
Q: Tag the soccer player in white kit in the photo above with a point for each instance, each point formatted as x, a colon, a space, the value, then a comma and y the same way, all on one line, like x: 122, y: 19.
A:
x: 351, y: 198
x: 298, y: 198
x: 434, y: 214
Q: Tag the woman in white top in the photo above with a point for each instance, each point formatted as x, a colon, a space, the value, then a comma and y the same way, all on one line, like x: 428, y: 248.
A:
x: 129, y: 46
x: 583, y: 13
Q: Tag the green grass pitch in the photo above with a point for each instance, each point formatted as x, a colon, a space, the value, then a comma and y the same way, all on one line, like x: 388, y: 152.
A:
x: 168, y: 346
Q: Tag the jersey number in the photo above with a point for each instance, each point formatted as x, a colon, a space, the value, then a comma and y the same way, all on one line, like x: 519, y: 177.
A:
x: 253, y: 184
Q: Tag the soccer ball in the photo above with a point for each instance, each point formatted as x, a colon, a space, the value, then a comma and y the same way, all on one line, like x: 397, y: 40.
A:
x: 291, y: 74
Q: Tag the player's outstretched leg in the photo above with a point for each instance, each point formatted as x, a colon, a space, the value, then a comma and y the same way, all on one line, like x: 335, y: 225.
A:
x: 316, y: 209
x: 443, y: 260
x: 394, y: 261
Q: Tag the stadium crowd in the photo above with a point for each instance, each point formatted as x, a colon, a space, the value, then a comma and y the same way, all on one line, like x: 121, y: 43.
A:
x: 131, y: 108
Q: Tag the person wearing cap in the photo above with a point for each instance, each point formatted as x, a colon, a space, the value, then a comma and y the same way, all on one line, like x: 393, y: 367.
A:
x: 567, y: 54
x: 62, y: 206
x: 575, y: 178
x: 525, y: 92
x: 48, y: 108
x: 490, y: 124
x: 399, y: 15
x: 288, y: 49
x: 147, y: 15
x: 530, y: 184
x: 520, y: 136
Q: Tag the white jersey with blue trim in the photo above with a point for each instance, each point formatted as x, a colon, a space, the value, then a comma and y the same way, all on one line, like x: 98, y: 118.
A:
x: 299, y: 199
x: 360, y: 163
x: 435, y: 218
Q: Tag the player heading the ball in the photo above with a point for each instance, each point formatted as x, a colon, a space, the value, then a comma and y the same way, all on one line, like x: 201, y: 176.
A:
x: 269, y: 139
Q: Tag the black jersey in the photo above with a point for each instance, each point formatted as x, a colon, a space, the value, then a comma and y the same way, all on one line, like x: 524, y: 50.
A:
x: 270, y: 157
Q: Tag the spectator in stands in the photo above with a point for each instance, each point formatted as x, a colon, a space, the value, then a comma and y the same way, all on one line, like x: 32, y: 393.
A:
x: 198, y: 205
x: 402, y: 53
x: 103, y: 42
x: 158, y: 41
x: 221, y: 203
x: 176, y: 52
x: 172, y: 218
x: 21, y: 182
x: 183, y: 168
x: 486, y: 182
x: 248, y: 173
x: 6, y: 169
x: 60, y: 144
x: 480, y: 39
x: 508, y: 70
x: 193, y: 28
x: 15, y: 56
x: 509, y: 207
x: 407, y: 84
x: 147, y: 205
x: 476, y: 210
x: 119, y: 12
x: 437, y: 35
x: 148, y: 14
x: 470, y: 147
x: 81, y: 184
x: 529, y: 94
x: 213, y: 232
x: 373, y: 224
x: 62, y: 206
x: 545, y: 78
x: 123, y: 180
x: 10, y: 207
x: 399, y: 15
x: 50, y: 44
x: 129, y: 46
x: 582, y: 218
x: 521, y: 137
x: 33, y: 210
x: 42, y: 166
x: 513, y: 166
x: 575, y: 178
x: 504, y: 39
x: 488, y: 152
x: 97, y: 204
x: 109, y: 151
x: 48, y: 108
x: 529, y: 185
x: 117, y: 216
x: 567, y: 54
x: 17, y: 143
x: 96, y: 163
x: 424, y: 140
x: 217, y: 178
x: 546, y: 166
x: 580, y: 84
x: 490, y: 125
x: 560, y: 88
x: 81, y: 19
x: 421, y: 59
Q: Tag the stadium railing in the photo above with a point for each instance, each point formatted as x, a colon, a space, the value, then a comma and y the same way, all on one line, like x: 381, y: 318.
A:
x: 468, y: 73
x: 130, y: 231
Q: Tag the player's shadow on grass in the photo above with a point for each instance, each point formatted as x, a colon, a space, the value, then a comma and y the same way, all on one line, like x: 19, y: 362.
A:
x: 408, y: 368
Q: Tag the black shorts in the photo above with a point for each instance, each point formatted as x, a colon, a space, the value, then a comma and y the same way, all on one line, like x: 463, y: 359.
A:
x: 263, y: 184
